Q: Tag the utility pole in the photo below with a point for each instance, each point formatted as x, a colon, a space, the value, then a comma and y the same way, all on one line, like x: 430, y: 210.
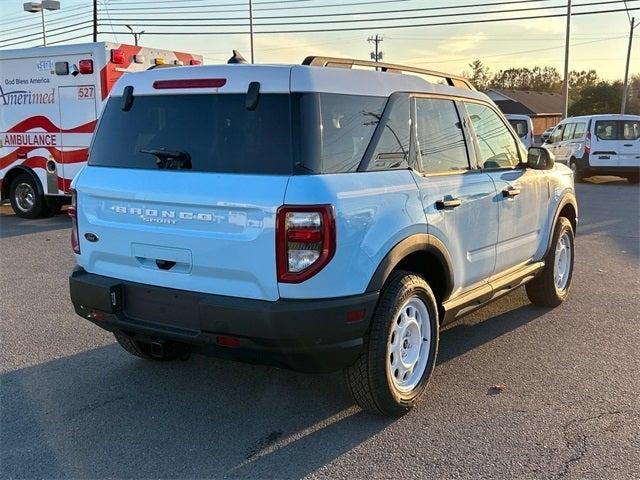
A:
x: 376, y: 55
x: 95, y: 20
x: 625, y: 87
x: 136, y: 35
x: 251, y: 28
x: 565, y: 86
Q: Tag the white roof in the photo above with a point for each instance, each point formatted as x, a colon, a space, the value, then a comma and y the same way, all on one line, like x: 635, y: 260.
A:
x: 288, y: 78
x: 603, y: 116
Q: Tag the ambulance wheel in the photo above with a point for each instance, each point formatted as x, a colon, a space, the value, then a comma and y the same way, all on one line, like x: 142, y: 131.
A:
x: 25, y: 199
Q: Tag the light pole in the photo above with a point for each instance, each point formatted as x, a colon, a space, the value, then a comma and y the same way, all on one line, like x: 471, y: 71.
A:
x: 136, y: 35
x: 35, y: 7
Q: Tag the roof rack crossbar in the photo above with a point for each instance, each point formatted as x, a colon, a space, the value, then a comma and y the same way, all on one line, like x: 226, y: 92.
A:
x: 452, y: 80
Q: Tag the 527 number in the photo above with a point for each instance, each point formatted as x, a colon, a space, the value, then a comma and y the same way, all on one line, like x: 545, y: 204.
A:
x: 85, y: 92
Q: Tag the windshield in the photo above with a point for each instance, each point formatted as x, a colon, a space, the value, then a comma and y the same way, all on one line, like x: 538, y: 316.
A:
x: 285, y: 134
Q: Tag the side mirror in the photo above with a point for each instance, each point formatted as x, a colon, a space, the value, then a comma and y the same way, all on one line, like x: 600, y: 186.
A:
x: 539, y: 158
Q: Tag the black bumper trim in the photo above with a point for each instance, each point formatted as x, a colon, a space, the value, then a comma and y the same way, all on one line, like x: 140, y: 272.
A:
x: 307, y: 335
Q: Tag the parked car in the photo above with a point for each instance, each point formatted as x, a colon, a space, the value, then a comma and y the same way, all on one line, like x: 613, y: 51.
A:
x: 599, y: 145
x: 546, y: 134
x: 312, y: 217
x: 523, y: 126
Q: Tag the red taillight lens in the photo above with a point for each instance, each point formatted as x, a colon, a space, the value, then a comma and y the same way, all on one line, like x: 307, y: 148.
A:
x: 305, y: 241
x: 73, y: 213
x: 118, y: 57
x: 85, y: 66
x: 195, y: 62
x: 587, y: 143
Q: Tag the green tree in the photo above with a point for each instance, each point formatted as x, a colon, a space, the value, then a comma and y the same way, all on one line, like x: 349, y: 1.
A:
x: 604, y: 97
x: 539, y: 79
x: 479, y: 75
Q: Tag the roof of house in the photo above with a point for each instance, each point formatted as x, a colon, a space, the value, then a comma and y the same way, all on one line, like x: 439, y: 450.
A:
x: 527, y: 102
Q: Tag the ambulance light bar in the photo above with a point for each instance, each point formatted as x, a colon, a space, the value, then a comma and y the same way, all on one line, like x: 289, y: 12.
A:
x: 85, y: 66
x: 118, y: 57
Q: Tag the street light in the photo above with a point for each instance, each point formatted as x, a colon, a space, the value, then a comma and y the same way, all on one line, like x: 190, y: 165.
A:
x: 136, y: 35
x: 35, y: 7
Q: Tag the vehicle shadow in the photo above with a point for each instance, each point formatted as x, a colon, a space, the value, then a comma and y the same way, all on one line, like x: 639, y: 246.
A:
x: 13, y: 226
x: 97, y: 413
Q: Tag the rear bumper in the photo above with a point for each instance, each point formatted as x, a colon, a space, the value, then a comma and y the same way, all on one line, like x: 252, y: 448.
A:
x: 585, y: 166
x: 307, y: 335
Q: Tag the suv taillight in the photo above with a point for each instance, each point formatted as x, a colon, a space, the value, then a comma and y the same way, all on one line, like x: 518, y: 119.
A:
x: 305, y: 241
x: 587, y: 143
x: 73, y: 213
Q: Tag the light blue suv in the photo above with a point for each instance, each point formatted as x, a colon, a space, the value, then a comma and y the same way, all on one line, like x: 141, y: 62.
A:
x: 310, y: 216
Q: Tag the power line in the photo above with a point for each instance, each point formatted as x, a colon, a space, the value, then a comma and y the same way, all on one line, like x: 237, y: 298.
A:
x: 381, y: 27
x: 378, y: 12
x: 388, y: 19
x: 15, y: 18
x: 37, y: 34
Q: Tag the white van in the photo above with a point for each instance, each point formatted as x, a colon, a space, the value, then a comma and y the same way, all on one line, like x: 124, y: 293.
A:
x: 523, y: 126
x: 598, y: 145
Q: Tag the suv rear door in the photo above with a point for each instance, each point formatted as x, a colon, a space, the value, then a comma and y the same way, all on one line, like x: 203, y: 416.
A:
x: 459, y: 200
x: 206, y: 224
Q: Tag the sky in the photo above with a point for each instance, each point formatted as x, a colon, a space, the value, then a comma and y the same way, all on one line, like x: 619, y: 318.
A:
x: 597, y: 41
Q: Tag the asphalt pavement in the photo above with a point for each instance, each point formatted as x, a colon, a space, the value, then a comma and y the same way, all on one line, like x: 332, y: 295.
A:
x: 74, y: 404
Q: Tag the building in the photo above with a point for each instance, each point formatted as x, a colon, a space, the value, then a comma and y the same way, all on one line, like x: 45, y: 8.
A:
x: 545, y: 109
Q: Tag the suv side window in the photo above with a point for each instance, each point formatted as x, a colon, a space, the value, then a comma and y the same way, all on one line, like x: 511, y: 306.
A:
x: 581, y: 128
x: 440, y: 142
x: 556, y: 136
x: 569, y: 128
x: 393, y: 141
x: 498, y: 148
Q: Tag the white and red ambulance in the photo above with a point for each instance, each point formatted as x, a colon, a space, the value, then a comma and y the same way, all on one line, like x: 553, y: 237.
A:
x: 50, y: 99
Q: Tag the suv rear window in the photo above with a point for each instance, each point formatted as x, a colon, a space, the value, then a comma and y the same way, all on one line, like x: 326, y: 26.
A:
x: 299, y: 133
x: 217, y: 131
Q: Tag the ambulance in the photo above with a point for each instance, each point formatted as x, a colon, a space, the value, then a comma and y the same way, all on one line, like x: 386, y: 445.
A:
x: 50, y: 99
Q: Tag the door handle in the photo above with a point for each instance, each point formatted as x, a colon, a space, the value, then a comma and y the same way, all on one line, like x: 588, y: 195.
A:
x: 628, y: 144
x: 510, y: 192
x: 448, y: 203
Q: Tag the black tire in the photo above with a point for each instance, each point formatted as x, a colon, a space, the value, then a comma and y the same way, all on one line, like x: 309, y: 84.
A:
x: 542, y: 289
x: 578, y: 175
x: 26, y: 205
x: 369, y: 378
x: 143, y: 350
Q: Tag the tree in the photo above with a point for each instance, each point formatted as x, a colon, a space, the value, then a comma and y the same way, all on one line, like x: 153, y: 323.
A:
x: 603, y: 97
x: 479, y: 75
x: 539, y: 79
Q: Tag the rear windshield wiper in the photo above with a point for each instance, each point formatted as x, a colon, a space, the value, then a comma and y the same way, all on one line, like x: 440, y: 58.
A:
x: 169, y: 159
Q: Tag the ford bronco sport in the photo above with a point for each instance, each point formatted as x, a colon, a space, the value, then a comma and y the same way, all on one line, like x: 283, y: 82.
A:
x: 314, y: 217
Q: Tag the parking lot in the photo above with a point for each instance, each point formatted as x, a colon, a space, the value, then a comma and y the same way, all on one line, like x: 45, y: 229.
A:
x: 74, y: 404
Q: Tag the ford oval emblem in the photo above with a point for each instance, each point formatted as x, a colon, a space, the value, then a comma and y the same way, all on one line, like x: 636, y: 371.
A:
x: 92, y: 237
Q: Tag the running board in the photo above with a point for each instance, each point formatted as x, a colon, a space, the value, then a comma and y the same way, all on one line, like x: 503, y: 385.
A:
x: 457, y: 307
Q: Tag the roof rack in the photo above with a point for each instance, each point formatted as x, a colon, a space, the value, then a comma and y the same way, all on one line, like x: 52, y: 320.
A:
x: 452, y: 80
